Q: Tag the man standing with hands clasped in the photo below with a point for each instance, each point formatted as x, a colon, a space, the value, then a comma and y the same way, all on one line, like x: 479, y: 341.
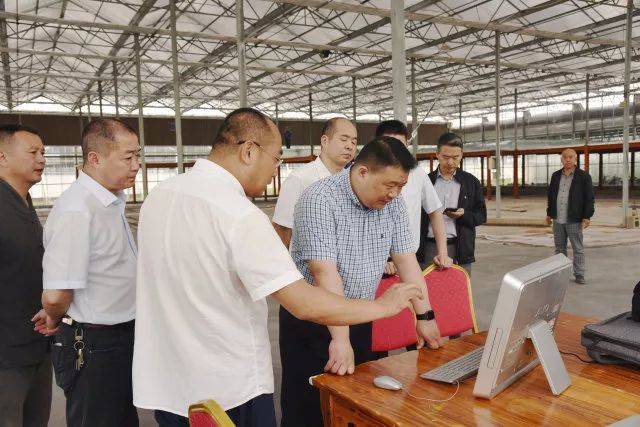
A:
x: 25, y: 363
x: 570, y: 205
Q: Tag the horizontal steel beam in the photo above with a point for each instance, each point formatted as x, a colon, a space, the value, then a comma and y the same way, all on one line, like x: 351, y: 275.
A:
x: 456, y: 22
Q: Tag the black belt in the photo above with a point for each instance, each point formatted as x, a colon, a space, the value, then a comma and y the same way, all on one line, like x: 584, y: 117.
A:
x: 449, y: 240
x: 126, y: 325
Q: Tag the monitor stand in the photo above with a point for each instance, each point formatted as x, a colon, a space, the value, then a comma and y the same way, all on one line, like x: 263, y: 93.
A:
x: 557, y: 376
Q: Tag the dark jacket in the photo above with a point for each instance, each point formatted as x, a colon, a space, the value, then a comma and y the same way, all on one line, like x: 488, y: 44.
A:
x: 471, y: 199
x: 581, y: 197
x: 21, y: 254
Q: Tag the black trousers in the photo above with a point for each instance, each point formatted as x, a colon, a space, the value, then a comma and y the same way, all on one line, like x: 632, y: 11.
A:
x: 99, y: 394
x: 25, y: 395
x: 258, y: 412
x: 304, y: 351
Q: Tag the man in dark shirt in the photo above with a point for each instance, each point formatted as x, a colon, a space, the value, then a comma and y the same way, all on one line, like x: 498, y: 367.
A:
x: 25, y: 365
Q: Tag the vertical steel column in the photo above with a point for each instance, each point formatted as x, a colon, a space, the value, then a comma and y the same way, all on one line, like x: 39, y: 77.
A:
x: 100, y: 95
x: 241, y: 47
x: 143, y: 155
x: 115, y: 89
x: 460, y: 115
x: 573, y: 123
x: 625, y: 131
x: 602, y: 118
x: 75, y: 146
x: 586, y: 127
x: 398, y: 61
x: 414, y: 110
x: 277, y: 115
x: 176, y: 87
x: 353, y: 98
x: 498, y: 159
x: 635, y: 118
x: 310, y: 122
x: 88, y: 107
x: 516, y: 190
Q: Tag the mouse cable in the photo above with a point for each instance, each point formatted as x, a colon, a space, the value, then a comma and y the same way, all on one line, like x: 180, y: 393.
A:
x: 566, y: 353
x: 438, y: 400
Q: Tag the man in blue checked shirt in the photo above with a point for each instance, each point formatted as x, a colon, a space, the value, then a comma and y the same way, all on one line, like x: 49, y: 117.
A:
x: 345, y: 227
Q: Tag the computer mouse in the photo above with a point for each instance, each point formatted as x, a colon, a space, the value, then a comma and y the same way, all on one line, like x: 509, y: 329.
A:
x: 387, y: 382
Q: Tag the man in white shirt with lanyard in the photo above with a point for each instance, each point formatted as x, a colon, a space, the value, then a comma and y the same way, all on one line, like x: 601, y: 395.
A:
x: 337, y: 148
x: 89, y: 278
x: 418, y: 194
x: 208, y: 259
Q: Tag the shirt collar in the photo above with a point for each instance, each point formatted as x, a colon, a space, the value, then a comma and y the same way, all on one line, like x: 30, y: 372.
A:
x: 571, y: 174
x: 345, y: 183
x: 17, y: 198
x: 439, y: 175
x: 321, y: 167
x: 105, y: 196
x: 214, y: 170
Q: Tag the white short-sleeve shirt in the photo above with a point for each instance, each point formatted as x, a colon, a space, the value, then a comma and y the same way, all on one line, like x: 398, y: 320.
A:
x: 293, y: 187
x: 89, y: 248
x: 208, y: 257
x: 418, y: 193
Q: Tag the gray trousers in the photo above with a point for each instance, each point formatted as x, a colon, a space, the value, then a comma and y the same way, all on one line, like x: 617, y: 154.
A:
x: 25, y: 395
x: 431, y: 250
x: 572, y: 231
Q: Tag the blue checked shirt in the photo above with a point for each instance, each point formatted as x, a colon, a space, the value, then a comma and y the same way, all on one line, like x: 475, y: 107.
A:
x: 331, y: 224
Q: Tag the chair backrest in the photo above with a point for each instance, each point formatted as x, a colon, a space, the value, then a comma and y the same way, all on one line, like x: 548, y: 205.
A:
x: 393, y: 332
x: 451, y: 299
x: 208, y: 413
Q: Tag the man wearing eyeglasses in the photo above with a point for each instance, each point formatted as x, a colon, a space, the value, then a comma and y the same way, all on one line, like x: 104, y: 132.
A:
x: 337, y: 148
x: 208, y: 258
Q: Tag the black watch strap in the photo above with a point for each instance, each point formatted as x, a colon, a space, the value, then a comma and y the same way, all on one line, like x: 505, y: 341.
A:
x: 429, y: 315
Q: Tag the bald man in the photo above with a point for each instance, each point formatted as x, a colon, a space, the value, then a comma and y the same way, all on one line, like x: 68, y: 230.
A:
x: 337, y: 148
x: 570, y: 206
x: 90, y: 280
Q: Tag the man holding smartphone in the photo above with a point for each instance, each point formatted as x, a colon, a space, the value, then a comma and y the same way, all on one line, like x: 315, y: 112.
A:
x: 463, y: 201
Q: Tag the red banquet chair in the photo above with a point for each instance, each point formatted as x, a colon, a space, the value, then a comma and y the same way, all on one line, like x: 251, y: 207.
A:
x: 208, y: 413
x: 451, y: 300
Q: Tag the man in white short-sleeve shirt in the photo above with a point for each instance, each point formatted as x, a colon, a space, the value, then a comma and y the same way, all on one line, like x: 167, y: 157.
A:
x: 89, y: 279
x: 418, y: 194
x: 337, y: 148
x: 208, y: 257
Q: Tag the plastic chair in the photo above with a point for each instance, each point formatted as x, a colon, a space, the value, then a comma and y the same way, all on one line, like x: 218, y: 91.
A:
x: 451, y: 300
x: 208, y: 413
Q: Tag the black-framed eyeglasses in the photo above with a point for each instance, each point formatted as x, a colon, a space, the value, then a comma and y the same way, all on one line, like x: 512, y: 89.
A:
x: 279, y: 160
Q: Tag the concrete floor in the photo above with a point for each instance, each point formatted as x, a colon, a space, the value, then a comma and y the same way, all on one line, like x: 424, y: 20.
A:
x: 612, y: 272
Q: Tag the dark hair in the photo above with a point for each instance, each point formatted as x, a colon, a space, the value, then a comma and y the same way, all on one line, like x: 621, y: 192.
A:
x: 449, y: 139
x: 8, y: 130
x: 330, y: 126
x: 392, y: 127
x: 385, y: 151
x: 101, y: 133
x: 241, y: 125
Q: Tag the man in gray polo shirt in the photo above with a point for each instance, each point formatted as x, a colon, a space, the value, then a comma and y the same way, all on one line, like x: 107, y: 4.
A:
x: 345, y: 227
x: 570, y: 206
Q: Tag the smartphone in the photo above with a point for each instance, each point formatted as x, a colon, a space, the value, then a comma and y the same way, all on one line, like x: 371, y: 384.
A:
x: 450, y: 209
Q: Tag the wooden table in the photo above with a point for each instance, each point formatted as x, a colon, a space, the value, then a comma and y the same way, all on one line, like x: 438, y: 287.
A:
x: 598, y: 395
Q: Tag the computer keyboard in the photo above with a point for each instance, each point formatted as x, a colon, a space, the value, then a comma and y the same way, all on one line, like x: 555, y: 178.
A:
x: 457, y: 370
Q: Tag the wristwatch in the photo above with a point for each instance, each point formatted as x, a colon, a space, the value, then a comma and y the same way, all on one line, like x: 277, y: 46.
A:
x: 429, y: 315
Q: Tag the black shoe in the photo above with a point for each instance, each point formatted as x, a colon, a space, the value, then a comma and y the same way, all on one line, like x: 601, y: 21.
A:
x: 580, y: 280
